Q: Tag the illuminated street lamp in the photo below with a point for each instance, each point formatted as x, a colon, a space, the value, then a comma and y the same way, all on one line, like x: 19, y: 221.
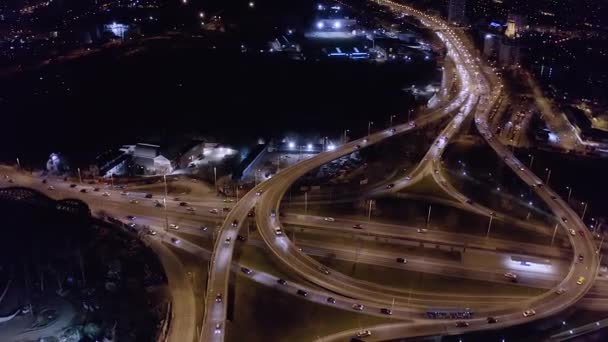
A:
x: 251, y: 4
x: 584, y: 210
x: 569, y: 192
x: 369, y: 127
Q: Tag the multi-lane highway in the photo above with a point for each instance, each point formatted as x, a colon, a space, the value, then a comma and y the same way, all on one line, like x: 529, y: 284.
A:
x: 478, y: 93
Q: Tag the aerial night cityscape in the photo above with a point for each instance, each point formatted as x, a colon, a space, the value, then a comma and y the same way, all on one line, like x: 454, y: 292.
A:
x: 335, y: 170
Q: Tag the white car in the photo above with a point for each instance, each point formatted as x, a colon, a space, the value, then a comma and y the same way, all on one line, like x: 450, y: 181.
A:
x: 364, y: 333
x: 191, y: 209
x: 421, y: 230
x: 278, y: 231
x: 358, y: 307
x: 134, y: 201
x: 511, y: 275
x: 51, y: 187
x: 213, y: 211
x: 218, y: 328
x: 106, y: 194
x: 572, y: 232
x: 329, y: 219
x: 259, y: 193
x: 560, y: 291
x: 529, y: 313
x: 174, y: 226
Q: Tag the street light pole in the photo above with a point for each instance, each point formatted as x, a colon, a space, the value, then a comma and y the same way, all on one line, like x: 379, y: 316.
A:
x: 531, y: 160
x: 391, y: 120
x: 569, y: 192
x: 112, y: 180
x: 369, y: 211
x: 548, y: 175
x: 601, y: 243
x: 18, y: 163
x: 489, y: 226
x: 428, y: 217
x: 215, y: 178
x: 305, y: 202
x: 369, y: 128
x: 79, y: 176
x: 554, y: 232
x: 165, y: 203
x: 584, y: 211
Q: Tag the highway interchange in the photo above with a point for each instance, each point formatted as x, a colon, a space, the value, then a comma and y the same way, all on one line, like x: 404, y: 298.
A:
x: 479, y: 91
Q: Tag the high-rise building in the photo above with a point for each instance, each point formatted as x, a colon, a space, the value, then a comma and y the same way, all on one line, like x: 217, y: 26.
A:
x: 456, y: 10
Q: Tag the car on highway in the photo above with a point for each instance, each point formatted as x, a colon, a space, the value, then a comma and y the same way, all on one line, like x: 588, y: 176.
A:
x: 331, y: 300
x: 357, y: 226
x: 421, y: 230
x: 408, y: 178
x: 183, y: 204
x: 96, y: 189
x: 282, y: 282
x: 278, y: 231
x: 390, y: 186
x: 174, y: 226
x: 462, y: 324
x: 191, y: 209
x: 175, y: 241
x: 581, y: 257
x: 148, y: 195
x: 564, y: 219
x: 241, y: 238
x: 106, y: 194
x: 386, y: 311
x: 72, y: 185
x: 510, y: 275
x: 553, y: 197
x: 228, y: 240
x: 228, y: 200
x: 51, y: 187
x: 324, y: 270
x: 246, y: 270
x: 159, y: 204
x: 580, y: 280
x: 529, y: 313
x: 572, y: 232
x: 273, y: 213
x: 213, y: 211
x: 492, y: 320
x: 235, y: 223
x: 329, y: 219
x: 225, y: 209
x: 218, y: 298
x: 358, y: 307
x: 124, y: 193
x: 134, y: 201
x: 364, y: 333
x: 258, y: 193
x: 218, y: 328
x: 402, y: 260
x: 84, y: 191
x: 357, y: 146
x: 560, y: 291
x: 302, y: 293
x: 176, y: 199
